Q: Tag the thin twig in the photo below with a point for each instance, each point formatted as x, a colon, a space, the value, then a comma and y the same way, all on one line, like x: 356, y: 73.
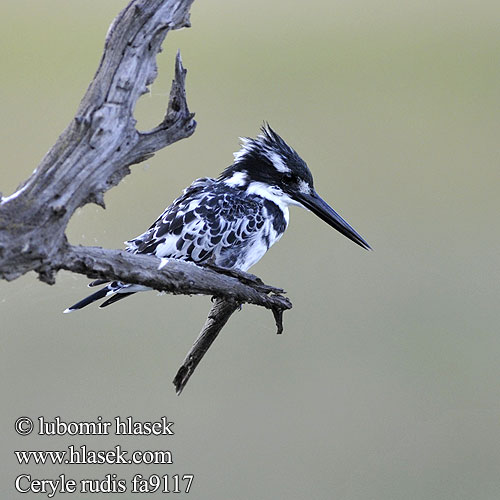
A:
x: 218, y: 316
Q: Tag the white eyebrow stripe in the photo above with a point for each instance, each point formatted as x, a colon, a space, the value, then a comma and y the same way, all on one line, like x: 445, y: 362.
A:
x: 277, y: 161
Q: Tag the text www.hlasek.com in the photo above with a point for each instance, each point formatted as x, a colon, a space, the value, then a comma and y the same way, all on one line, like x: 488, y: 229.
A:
x: 82, y: 455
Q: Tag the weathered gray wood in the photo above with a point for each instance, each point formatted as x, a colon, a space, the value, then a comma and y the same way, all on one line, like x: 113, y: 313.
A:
x: 219, y: 314
x: 97, y: 148
x: 174, y: 276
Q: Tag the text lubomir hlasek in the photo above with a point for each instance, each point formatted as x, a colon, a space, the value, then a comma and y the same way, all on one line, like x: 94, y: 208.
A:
x: 118, y: 426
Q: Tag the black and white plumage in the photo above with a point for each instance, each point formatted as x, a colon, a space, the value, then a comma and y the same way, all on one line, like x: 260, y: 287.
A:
x: 232, y: 220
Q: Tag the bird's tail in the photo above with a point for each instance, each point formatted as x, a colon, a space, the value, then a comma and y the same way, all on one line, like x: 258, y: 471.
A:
x: 107, y: 291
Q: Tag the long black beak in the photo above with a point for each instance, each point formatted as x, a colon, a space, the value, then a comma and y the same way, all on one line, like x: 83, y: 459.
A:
x: 319, y: 207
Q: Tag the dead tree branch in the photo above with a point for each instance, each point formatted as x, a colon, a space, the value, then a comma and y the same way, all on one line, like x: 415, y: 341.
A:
x: 96, y: 150
x: 171, y: 275
x: 94, y: 153
x: 219, y: 314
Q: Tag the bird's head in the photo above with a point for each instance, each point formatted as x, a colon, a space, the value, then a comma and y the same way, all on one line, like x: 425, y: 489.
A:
x: 269, y: 167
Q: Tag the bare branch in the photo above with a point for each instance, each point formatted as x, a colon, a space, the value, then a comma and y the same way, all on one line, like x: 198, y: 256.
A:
x: 96, y: 150
x: 174, y: 276
x: 165, y: 134
x: 218, y: 316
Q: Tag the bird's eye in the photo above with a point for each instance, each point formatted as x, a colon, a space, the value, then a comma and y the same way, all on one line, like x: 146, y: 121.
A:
x: 289, y: 178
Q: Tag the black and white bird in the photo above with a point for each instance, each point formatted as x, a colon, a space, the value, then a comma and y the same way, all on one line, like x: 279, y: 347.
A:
x: 233, y: 220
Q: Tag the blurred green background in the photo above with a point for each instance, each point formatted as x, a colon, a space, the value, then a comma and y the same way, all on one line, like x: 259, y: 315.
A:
x: 386, y: 382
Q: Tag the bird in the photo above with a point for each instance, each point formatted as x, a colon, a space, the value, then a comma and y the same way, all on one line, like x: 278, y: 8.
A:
x: 231, y: 221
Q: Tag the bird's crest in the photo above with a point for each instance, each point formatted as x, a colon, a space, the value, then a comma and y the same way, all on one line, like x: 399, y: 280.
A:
x: 269, y: 145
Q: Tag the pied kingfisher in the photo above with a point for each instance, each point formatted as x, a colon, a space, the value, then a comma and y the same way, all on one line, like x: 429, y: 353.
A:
x: 233, y: 220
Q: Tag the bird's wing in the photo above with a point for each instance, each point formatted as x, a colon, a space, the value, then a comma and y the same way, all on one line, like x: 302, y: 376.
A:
x: 145, y: 242
x: 206, y: 222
